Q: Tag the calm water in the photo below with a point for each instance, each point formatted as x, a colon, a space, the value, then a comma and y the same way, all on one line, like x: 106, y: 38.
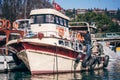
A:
x: 111, y: 73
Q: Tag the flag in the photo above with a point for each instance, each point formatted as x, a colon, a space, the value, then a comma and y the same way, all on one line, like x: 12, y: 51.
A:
x: 57, y: 6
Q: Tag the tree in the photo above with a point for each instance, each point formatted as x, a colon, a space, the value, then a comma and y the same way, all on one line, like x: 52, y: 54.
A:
x: 103, y: 22
x: 118, y: 14
x: 11, y: 8
x: 16, y: 9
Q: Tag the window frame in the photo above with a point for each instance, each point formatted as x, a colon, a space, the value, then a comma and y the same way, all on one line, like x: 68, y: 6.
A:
x: 56, y: 20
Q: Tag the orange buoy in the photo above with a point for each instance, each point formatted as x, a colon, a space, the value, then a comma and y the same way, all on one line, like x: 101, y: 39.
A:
x: 7, y: 24
x: 61, y: 32
x: 2, y: 23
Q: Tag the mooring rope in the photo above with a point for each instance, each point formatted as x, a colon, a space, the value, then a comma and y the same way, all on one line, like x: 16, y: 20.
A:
x: 55, y: 62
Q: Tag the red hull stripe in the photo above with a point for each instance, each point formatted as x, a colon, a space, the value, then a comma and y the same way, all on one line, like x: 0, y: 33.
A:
x: 52, y: 49
x: 52, y: 72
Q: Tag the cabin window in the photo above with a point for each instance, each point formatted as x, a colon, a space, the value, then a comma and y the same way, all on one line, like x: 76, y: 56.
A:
x: 49, y: 18
x: 66, y: 43
x: 80, y: 47
x: 40, y: 19
x: 32, y: 18
x: 61, y: 42
x: 66, y: 22
x: 57, y: 20
x: 24, y: 25
x: 61, y: 22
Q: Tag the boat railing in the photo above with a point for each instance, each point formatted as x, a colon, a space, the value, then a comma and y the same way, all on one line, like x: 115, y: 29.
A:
x: 46, y: 34
x: 108, y: 35
x: 49, y: 33
x: 80, y: 23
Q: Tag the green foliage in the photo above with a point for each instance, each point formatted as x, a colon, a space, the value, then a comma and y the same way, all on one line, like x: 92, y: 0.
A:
x: 118, y: 14
x: 103, y: 21
x: 70, y: 14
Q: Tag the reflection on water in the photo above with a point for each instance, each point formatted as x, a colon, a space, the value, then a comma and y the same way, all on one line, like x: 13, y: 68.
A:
x: 94, y: 75
x: 15, y: 76
x: 111, y: 73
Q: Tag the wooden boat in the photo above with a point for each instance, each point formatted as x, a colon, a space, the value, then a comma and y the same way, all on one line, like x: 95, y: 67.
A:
x: 48, y: 47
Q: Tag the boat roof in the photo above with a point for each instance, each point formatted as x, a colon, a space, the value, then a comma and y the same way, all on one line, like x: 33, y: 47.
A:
x: 82, y: 27
x: 78, y: 27
x: 48, y: 11
x: 22, y: 20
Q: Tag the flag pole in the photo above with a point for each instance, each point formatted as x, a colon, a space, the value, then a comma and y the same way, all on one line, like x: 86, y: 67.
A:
x: 52, y: 1
x: 25, y: 9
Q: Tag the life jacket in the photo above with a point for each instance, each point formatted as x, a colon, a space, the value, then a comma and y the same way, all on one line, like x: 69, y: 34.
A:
x: 80, y: 37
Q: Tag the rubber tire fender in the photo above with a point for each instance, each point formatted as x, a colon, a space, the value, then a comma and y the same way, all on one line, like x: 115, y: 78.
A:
x: 85, y: 61
x: 93, y: 62
x: 106, y: 61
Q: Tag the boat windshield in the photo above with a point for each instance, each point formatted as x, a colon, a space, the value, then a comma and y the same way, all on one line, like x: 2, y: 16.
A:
x: 23, y: 24
x: 49, y: 18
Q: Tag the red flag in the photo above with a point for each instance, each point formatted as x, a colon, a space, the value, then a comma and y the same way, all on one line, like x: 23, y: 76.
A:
x: 57, y: 6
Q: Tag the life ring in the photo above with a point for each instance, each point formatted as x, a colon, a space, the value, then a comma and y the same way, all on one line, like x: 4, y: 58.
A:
x: 15, y: 25
x: 2, y: 23
x: 7, y: 24
x: 106, y: 61
x: 61, y: 32
x: 80, y: 37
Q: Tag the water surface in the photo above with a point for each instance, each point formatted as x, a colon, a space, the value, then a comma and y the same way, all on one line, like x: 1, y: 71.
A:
x: 112, y: 72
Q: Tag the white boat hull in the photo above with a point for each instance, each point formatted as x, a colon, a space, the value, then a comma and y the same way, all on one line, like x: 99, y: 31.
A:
x: 42, y: 63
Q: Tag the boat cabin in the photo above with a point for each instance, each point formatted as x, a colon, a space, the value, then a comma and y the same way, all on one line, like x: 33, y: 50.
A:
x: 50, y: 22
